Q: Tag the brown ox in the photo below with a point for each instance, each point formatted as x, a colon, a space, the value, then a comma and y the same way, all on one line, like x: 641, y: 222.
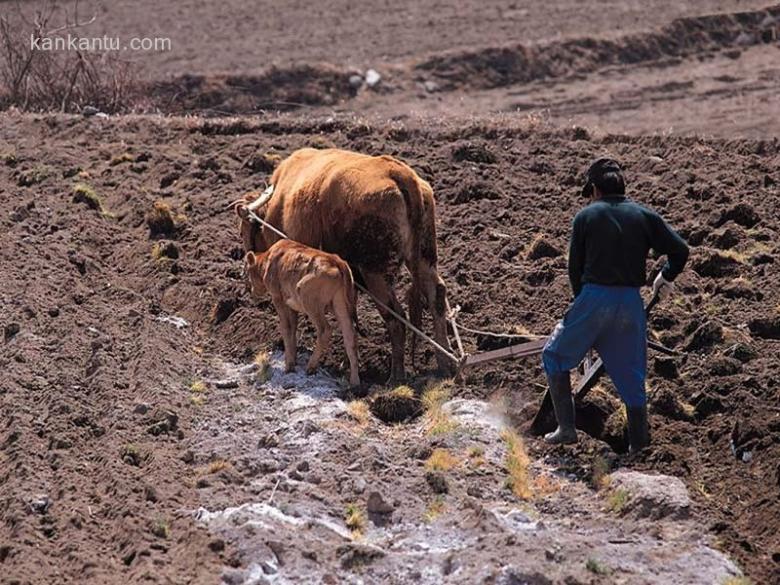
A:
x: 374, y: 212
x: 304, y: 280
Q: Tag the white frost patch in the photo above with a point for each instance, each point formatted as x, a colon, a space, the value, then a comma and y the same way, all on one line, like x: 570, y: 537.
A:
x: 476, y: 414
x: 266, y: 517
x: 177, y: 322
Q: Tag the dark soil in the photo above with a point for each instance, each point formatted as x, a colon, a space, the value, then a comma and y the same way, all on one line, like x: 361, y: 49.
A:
x: 95, y: 399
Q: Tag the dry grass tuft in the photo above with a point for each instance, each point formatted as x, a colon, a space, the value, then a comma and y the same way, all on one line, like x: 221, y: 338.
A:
x: 476, y: 456
x: 618, y: 500
x: 359, y: 411
x: 263, y: 362
x: 161, y: 528
x: 160, y: 219
x: 198, y: 386
x: 435, y: 395
x: 597, y: 567
x: 738, y: 581
x: 216, y: 466
x: 355, y: 519
x: 83, y: 193
x: 434, y: 510
x: 599, y: 478
x: 119, y: 159
x: 403, y: 392
x: 441, y: 460
x: 517, y: 464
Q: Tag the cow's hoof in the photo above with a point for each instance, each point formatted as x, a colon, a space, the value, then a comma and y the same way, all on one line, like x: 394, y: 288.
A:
x: 311, y: 371
x: 289, y: 369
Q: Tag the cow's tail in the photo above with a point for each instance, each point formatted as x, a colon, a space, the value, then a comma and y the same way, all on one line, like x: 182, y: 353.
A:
x: 350, y: 296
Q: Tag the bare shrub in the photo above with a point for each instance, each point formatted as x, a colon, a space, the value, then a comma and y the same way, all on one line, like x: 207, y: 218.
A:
x: 65, y: 81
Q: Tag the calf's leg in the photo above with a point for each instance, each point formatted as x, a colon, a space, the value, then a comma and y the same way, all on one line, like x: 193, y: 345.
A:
x: 287, y: 324
x: 324, y: 333
x: 344, y: 316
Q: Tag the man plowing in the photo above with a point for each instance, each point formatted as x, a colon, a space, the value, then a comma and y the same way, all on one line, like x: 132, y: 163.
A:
x: 610, y: 241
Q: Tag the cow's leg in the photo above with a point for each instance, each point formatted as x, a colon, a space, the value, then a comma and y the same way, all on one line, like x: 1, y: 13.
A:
x: 378, y: 285
x: 324, y: 333
x: 287, y: 324
x: 343, y: 315
x: 429, y: 284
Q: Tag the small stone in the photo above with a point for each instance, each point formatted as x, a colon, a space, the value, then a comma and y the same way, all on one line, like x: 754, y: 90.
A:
x: 355, y: 81
x: 353, y: 554
x: 163, y: 422
x: 268, y: 441
x: 217, y: 545
x: 226, y: 384
x: 268, y: 568
x: 188, y: 457
x: 377, y: 505
x: 11, y: 330
x: 373, y: 78
x: 653, y: 496
x: 303, y: 466
x: 359, y: 485
x: 431, y: 86
x: 54, y: 312
x: 474, y: 491
x: 150, y: 494
x: 141, y: 408
x: 41, y: 504
x: 88, y: 111
x: 295, y: 475
x: 308, y: 428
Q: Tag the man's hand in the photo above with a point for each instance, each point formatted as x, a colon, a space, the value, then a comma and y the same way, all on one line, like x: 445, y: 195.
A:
x: 662, y: 287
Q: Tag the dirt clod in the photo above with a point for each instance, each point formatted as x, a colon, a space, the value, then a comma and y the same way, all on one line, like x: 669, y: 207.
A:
x: 706, y: 336
x: 541, y: 248
x: 765, y: 327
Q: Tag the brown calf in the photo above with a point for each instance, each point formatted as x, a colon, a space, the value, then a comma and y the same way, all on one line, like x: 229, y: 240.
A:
x: 304, y: 280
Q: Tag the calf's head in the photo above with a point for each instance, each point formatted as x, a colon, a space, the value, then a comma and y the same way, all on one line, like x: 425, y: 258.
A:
x: 254, y: 266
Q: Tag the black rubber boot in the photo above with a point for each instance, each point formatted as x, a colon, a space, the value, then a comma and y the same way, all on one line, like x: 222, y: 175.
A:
x: 638, y: 429
x: 563, y: 403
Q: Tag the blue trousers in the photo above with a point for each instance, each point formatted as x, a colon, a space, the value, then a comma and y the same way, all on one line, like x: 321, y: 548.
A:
x: 610, y: 319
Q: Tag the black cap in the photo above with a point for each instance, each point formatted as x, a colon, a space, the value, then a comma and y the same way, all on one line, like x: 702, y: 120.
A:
x: 607, y: 175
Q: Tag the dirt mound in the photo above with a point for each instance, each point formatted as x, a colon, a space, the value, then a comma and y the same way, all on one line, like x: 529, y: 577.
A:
x: 277, y: 89
x: 685, y: 37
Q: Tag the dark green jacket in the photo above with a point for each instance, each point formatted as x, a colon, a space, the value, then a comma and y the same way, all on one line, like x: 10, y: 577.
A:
x: 611, y: 239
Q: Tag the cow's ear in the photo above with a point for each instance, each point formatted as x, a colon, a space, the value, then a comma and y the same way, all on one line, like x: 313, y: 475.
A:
x: 251, y: 259
x: 242, y: 212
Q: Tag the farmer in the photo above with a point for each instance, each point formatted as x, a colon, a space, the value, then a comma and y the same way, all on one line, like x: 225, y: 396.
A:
x: 610, y: 241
